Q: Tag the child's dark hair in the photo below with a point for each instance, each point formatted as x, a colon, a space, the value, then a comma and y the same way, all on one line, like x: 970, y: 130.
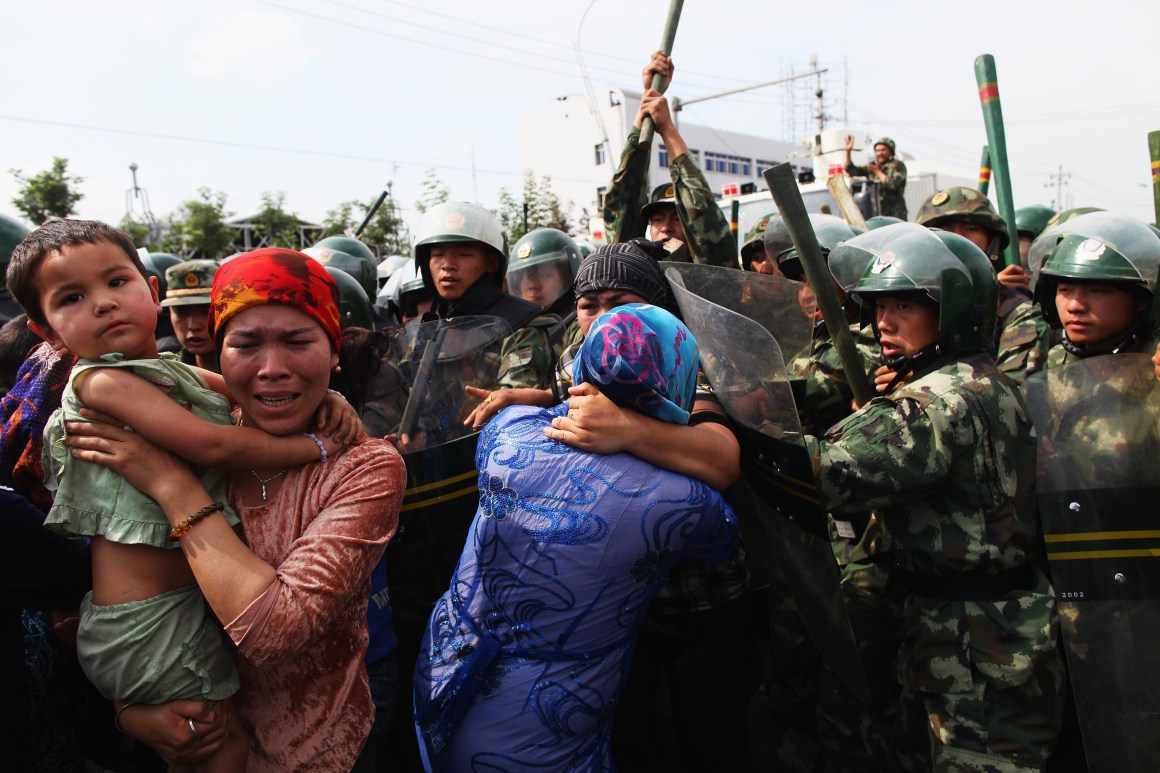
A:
x: 54, y: 237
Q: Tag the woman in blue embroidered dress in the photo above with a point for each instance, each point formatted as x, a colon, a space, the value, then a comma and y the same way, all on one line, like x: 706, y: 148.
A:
x: 526, y: 652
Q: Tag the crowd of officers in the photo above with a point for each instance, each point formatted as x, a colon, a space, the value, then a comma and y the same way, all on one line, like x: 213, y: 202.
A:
x: 928, y: 486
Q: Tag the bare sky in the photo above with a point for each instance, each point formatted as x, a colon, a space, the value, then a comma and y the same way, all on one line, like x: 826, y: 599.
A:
x: 326, y: 100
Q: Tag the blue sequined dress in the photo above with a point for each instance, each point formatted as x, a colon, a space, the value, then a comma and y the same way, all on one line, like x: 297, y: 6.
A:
x: 525, y: 654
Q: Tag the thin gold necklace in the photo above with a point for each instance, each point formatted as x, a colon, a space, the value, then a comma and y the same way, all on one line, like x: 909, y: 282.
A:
x: 264, y: 481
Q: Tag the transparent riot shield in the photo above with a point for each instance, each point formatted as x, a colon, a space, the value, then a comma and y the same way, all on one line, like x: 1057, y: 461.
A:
x: 782, y: 520
x: 437, y: 359
x: 783, y: 307
x: 1098, y: 424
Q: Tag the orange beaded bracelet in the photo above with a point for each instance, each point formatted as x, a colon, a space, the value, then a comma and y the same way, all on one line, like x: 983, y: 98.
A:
x: 181, y: 529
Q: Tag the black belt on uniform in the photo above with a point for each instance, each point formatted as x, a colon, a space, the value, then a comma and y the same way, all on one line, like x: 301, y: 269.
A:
x: 967, y: 587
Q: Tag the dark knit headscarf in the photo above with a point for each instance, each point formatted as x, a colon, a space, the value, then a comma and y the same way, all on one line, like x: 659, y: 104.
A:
x: 629, y: 266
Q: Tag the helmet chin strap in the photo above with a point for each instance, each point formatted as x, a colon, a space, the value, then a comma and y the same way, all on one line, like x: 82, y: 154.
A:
x: 903, y: 364
x: 1080, y: 351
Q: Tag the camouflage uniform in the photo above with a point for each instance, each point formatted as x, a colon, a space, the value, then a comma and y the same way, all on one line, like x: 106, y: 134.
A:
x: 710, y: 239
x: 943, y: 460
x: 1024, y: 338
x: 823, y: 394
x: 891, y: 201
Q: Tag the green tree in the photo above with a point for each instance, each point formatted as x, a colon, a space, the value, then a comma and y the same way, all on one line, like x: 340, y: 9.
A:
x: 274, y: 224
x: 47, y: 194
x: 198, y: 228
x: 435, y: 192
x: 138, y: 231
x: 543, y: 208
x: 386, y: 234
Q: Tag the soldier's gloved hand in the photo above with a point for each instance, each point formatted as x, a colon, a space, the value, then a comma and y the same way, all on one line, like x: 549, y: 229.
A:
x: 658, y: 64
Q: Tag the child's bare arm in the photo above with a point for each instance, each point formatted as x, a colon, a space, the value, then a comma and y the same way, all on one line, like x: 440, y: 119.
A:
x: 337, y: 418
x: 133, y: 401
x: 214, y: 381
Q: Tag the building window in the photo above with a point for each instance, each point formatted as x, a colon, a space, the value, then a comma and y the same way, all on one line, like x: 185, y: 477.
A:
x: 763, y: 165
x: 601, y: 193
x: 746, y: 167
x: 662, y: 156
x: 601, y: 155
x: 734, y: 167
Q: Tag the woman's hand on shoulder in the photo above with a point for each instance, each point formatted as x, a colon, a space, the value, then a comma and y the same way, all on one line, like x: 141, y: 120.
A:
x: 166, y: 728
x: 594, y: 423
x: 492, y: 402
x: 337, y: 420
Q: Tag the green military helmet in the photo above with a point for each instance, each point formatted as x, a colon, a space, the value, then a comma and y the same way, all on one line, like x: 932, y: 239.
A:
x: 12, y: 232
x: 189, y: 283
x: 1033, y: 219
x: 354, y: 308
x: 542, y: 265
x: 908, y: 258
x: 879, y: 221
x: 755, y: 238
x: 829, y: 230
x: 977, y: 331
x: 586, y: 246
x: 1100, y: 247
x: 458, y: 221
x: 1070, y: 214
x: 662, y: 196
x: 1046, y: 242
x: 387, y: 266
x: 364, y: 270
x: 963, y: 205
x: 157, y: 263
x: 349, y: 245
x: 887, y: 142
x: 404, y: 287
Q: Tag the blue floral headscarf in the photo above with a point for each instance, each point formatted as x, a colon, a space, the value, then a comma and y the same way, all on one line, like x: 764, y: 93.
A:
x: 643, y: 357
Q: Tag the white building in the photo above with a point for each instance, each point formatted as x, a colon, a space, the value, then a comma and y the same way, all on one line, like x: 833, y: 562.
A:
x: 578, y: 146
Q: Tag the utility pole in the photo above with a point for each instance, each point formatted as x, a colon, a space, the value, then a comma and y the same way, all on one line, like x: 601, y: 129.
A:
x: 1058, y: 180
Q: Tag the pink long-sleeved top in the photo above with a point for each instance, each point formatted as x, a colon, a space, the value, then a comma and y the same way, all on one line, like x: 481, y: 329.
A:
x: 305, y: 697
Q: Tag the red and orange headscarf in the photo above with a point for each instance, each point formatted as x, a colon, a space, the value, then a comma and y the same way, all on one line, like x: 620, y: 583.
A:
x: 274, y: 275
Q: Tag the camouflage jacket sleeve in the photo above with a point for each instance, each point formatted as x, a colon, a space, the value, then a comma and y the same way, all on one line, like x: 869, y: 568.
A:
x: 854, y: 170
x: 823, y: 393
x: 526, y: 357
x: 944, y: 458
x: 895, y: 172
x: 1023, y: 343
x: 628, y: 192
x: 710, y: 239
